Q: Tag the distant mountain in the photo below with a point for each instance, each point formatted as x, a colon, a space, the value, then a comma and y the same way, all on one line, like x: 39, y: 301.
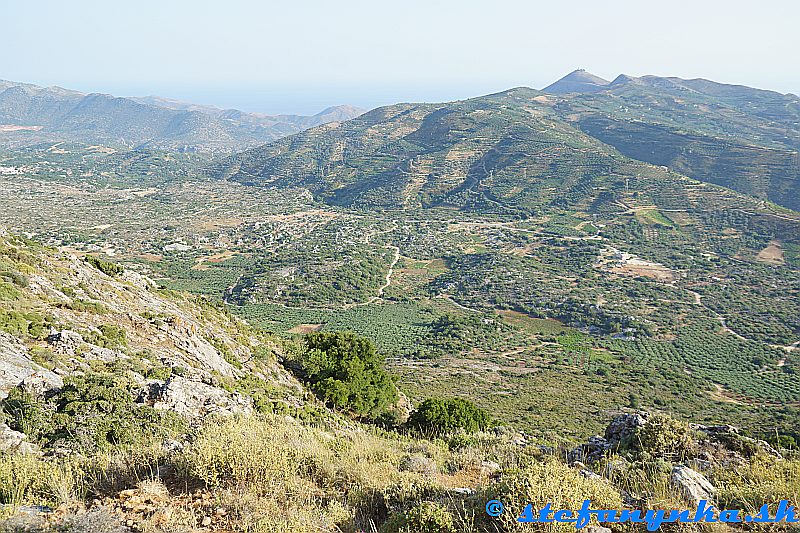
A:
x: 522, y: 150
x: 577, y: 81
x: 31, y: 114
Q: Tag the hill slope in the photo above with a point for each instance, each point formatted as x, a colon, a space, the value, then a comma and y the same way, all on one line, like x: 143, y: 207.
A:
x: 62, y: 316
x: 522, y: 150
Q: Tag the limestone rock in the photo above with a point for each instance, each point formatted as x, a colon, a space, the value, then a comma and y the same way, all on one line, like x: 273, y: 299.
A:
x: 692, y: 484
x: 65, y: 342
x: 193, y: 399
x: 16, y: 368
x: 623, y: 427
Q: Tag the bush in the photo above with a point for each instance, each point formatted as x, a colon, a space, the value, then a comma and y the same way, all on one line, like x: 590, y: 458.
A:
x: 663, y: 436
x: 553, y: 482
x: 425, y: 517
x: 110, y: 336
x: 438, y: 416
x: 346, y: 372
x: 90, y: 412
x: 763, y: 480
x: 106, y: 267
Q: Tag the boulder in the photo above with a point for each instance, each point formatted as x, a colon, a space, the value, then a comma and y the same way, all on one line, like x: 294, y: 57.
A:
x: 692, y: 484
x: 490, y: 468
x: 419, y: 464
x: 192, y: 399
x: 589, y: 452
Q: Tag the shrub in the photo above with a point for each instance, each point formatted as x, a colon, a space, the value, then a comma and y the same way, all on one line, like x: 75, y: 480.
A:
x: 347, y: 372
x: 106, y: 267
x: 30, y: 324
x: 763, y: 480
x: 17, y: 278
x: 437, y: 416
x: 553, y: 482
x: 90, y: 412
x: 425, y: 517
x: 25, y: 413
x: 663, y: 436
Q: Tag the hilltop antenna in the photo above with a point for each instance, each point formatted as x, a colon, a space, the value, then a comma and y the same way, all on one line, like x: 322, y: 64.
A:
x: 626, y: 185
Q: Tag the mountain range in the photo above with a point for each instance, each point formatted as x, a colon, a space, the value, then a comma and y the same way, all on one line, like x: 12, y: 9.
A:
x: 31, y: 114
x: 504, y: 152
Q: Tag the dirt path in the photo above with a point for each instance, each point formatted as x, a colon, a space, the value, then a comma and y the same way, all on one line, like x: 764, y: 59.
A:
x: 698, y: 300
x: 391, y: 269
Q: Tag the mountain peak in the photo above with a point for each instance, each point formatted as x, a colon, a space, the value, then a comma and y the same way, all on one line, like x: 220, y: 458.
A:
x: 577, y: 81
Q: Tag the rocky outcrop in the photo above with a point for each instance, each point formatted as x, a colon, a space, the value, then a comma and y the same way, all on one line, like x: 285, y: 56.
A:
x: 17, y: 368
x: 620, y: 432
x: 692, y: 484
x: 193, y: 399
x: 65, y: 342
x: 730, y: 438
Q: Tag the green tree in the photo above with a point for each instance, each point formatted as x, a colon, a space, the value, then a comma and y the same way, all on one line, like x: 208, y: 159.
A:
x: 438, y: 416
x: 347, y: 372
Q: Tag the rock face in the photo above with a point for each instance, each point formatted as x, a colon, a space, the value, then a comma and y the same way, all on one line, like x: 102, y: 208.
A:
x: 193, y: 399
x: 17, y: 368
x: 692, y: 484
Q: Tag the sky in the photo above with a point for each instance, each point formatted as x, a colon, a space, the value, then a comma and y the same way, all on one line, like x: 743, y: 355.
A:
x: 302, y: 56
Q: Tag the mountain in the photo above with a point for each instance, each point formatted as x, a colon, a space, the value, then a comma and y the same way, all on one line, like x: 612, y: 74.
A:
x: 742, y: 138
x: 577, y: 81
x: 31, y: 114
x: 522, y: 149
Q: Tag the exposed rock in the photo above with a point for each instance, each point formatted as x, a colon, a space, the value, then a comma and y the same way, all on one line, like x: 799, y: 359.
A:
x: 402, y: 408
x: 14, y: 442
x: 65, y: 342
x: 201, y: 351
x: 588, y: 474
x: 729, y: 437
x: 17, y: 368
x: 489, y: 468
x: 193, y: 399
x: 419, y: 464
x: 590, y: 451
x: 622, y: 428
x: 692, y: 484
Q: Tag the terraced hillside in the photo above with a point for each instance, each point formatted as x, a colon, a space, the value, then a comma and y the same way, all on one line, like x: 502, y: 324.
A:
x: 522, y: 150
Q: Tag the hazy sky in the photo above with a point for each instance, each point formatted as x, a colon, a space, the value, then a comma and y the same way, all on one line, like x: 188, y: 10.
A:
x: 301, y: 56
